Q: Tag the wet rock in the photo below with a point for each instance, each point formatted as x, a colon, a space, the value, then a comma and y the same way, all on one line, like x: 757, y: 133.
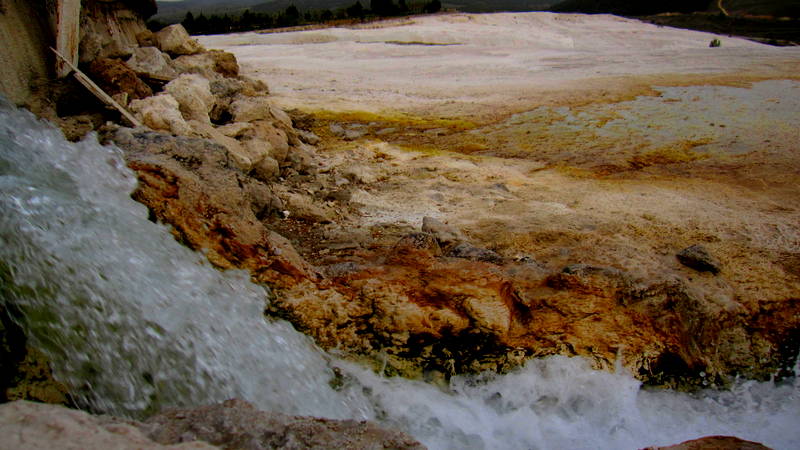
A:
x: 24, y: 371
x: 194, y: 185
x: 468, y: 251
x: 238, y: 424
x: 33, y: 425
x: 161, y: 112
x: 151, y: 62
x: 76, y: 127
x: 210, y: 64
x: 193, y: 94
x: 114, y: 77
x: 698, y: 258
x: 445, y: 234
x: 176, y: 41
x: 714, y: 443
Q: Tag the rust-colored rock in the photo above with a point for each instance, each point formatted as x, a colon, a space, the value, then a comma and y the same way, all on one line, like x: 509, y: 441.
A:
x: 193, y: 185
x: 714, y: 443
x: 115, y: 77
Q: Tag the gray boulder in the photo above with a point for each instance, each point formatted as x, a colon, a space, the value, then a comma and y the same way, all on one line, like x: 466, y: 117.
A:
x: 698, y: 258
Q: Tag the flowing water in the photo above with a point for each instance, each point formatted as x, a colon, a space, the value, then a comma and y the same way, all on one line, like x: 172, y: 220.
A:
x: 135, y: 322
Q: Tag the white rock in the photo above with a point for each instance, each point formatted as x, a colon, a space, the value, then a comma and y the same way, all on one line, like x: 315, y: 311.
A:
x: 276, y: 137
x: 176, y: 41
x: 237, y: 130
x: 152, y: 61
x: 249, y: 109
x: 194, y: 96
x: 266, y: 169
x: 258, y: 149
x: 281, y: 116
x: 161, y: 112
x: 237, y: 152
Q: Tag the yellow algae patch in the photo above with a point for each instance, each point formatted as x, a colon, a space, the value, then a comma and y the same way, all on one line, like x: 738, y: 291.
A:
x: 677, y: 153
x: 393, y: 119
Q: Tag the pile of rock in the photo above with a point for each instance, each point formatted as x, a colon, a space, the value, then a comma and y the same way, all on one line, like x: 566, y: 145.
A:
x: 172, y: 84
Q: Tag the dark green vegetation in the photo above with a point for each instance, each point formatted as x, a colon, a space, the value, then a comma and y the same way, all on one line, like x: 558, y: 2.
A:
x: 260, y: 16
x: 761, y: 29
x: 629, y: 8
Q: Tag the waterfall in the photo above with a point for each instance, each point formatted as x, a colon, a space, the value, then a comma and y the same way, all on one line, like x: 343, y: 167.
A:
x: 134, y: 322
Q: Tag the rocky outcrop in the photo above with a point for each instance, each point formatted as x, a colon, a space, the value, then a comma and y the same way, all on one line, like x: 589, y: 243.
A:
x: 150, y: 62
x: 109, y: 29
x: 195, y: 186
x: 24, y: 372
x: 232, y: 424
x: 238, y: 424
x: 176, y: 41
x: 33, y: 425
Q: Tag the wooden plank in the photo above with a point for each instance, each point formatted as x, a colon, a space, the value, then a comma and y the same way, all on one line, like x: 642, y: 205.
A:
x: 67, y: 31
x: 99, y: 93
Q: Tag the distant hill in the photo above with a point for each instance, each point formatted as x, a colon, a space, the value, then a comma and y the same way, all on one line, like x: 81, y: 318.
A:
x: 175, y: 11
x: 775, y: 8
x: 630, y: 8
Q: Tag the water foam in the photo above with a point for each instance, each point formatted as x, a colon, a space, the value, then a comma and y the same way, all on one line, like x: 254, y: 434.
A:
x: 135, y: 322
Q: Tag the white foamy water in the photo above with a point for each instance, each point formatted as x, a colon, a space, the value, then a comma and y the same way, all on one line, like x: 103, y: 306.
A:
x: 136, y: 322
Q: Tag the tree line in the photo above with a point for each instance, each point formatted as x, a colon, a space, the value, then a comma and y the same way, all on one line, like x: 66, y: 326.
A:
x: 292, y: 16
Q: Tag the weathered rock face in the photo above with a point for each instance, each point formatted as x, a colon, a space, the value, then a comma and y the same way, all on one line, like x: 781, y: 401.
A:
x: 24, y: 372
x: 232, y: 424
x: 238, y: 424
x: 23, y: 61
x: 109, y: 28
x: 32, y: 425
x: 194, y: 185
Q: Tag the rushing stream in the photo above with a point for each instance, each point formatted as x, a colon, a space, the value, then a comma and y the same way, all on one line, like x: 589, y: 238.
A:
x: 134, y: 322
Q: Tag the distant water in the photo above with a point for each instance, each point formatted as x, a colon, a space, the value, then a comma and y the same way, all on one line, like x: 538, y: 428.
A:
x: 135, y: 322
